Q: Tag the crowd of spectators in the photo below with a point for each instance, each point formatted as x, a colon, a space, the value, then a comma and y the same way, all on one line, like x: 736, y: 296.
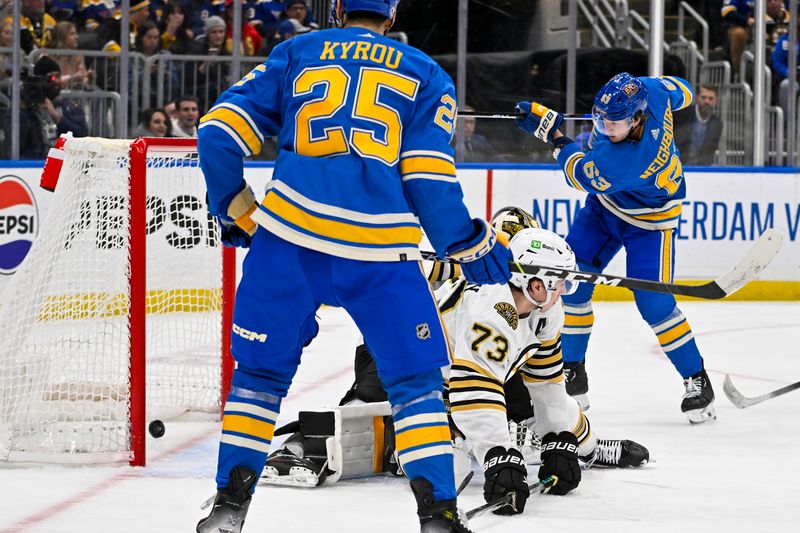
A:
x: 55, y: 32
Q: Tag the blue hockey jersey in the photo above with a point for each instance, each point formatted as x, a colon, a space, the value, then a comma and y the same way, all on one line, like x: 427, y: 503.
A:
x: 364, y: 125
x: 641, y: 181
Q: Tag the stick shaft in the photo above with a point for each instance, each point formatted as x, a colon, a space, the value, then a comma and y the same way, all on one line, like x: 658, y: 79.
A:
x: 509, y: 499
x: 514, y: 116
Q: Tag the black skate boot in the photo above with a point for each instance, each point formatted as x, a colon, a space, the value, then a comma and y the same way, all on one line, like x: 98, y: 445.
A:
x: 698, y: 401
x: 620, y: 454
x: 230, y: 504
x: 577, y: 383
x: 436, y: 517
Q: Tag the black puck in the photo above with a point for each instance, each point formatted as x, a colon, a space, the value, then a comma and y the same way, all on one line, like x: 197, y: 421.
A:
x: 156, y: 428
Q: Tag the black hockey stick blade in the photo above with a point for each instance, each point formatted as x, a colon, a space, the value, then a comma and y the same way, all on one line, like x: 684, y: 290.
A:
x: 741, y: 401
x: 464, y: 483
x: 514, y: 116
x: 543, y: 485
x: 759, y: 256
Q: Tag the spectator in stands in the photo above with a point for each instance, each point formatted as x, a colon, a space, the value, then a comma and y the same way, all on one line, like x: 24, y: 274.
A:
x: 210, y: 77
x: 95, y: 14
x: 298, y: 10
x: 265, y: 15
x: 172, y: 111
x: 148, y: 43
x: 176, y: 36
x: 739, y: 14
x: 582, y: 138
x: 110, y: 29
x: 780, y: 66
x: 37, y: 26
x: 64, y: 10
x: 40, y: 120
x: 697, y: 132
x: 777, y: 21
x: 476, y: 147
x: 154, y: 123
x: 188, y: 112
x: 251, y: 39
x: 73, y: 67
x: 6, y: 41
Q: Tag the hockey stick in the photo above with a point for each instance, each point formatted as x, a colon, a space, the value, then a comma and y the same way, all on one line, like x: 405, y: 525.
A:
x: 506, y: 116
x: 741, y: 401
x: 740, y: 275
x: 510, y: 498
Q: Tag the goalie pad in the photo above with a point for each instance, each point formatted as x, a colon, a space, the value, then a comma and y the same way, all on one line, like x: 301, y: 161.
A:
x: 339, y: 443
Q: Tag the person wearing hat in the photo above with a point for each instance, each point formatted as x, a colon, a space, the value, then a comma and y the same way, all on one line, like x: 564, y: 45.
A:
x: 209, y: 76
x: 298, y: 10
x: 109, y: 31
x: 40, y: 120
x: 36, y: 26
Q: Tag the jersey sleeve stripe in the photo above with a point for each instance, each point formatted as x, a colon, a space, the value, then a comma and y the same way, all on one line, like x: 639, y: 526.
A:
x: 727, y: 9
x: 426, y: 165
x: 231, y: 133
x: 687, y: 92
x: 241, y: 125
x: 470, y: 383
x: 475, y: 406
x: 545, y: 362
x: 569, y: 170
x: 427, y: 153
x: 552, y: 378
x: 432, y: 177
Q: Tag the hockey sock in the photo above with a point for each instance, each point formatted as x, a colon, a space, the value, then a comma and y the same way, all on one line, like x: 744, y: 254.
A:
x: 677, y: 341
x: 422, y: 430
x: 578, y: 322
x: 248, y: 425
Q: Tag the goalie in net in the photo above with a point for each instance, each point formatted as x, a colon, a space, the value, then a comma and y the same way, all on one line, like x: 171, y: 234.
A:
x: 507, y: 368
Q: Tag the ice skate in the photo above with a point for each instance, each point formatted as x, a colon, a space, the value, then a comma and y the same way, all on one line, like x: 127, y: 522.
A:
x: 698, y: 401
x: 289, y: 467
x: 620, y: 454
x: 230, y: 504
x: 577, y: 383
x: 437, y: 517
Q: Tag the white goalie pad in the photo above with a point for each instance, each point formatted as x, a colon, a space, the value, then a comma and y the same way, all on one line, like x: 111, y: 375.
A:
x: 357, y: 447
x: 349, y: 440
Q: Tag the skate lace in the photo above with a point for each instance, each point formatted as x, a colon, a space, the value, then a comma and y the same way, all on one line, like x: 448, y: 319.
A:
x: 609, y: 451
x: 694, y: 386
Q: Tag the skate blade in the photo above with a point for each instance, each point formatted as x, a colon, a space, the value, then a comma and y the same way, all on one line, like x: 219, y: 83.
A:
x: 699, y: 416
x: 297, y: 477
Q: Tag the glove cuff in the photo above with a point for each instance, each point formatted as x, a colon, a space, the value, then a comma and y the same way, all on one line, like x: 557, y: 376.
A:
x: 476, y: 247
x: 560, y: 143
x: 241, y: 206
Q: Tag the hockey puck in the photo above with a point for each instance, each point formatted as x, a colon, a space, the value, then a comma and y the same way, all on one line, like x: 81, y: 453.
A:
x: 156, y: 428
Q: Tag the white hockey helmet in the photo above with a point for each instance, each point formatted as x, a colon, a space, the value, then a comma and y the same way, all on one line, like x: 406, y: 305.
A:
x: 540, y: 247
x: 511, y: 220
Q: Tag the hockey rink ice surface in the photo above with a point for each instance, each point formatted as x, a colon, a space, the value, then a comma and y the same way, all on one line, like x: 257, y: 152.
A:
x: 738, y: 473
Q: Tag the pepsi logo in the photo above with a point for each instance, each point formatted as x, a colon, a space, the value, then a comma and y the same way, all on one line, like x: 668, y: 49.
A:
x: 19, y: 222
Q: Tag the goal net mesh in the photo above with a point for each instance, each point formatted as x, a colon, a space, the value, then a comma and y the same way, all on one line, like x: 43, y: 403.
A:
x: 65, y: 350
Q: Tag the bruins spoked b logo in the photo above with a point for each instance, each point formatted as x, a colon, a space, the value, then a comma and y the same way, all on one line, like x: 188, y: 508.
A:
x: 423, y: 331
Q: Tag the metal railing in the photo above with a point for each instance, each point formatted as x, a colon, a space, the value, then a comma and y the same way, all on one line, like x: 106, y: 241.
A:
x: 609, y: 22
x: 737, y: 121
x: 683, y: 10
x: 775, y: 153
x: 100, y: 108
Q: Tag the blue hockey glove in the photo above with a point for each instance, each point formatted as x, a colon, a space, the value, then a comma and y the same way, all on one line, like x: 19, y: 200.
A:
x: 539, y: 120
x: 483, y: 258
x: 236, y: 226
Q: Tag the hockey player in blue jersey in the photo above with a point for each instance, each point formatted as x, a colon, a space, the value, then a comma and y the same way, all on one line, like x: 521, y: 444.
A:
x: 634, y: 179
x: 364, y: 125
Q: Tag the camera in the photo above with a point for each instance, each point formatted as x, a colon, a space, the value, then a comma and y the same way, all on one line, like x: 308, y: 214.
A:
x: 36, y: 88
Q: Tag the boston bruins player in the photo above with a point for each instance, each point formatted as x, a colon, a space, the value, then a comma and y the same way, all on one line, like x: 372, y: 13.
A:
x: 499, y: 334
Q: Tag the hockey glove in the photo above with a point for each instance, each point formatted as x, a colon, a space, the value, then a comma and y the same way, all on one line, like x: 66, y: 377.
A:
x: 539, y: 120
x: 236, y: 226
x: 560, y: 458
x: 505, y: 472
x: 483, y: 259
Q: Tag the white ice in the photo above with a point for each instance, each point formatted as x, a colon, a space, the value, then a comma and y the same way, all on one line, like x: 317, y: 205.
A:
x: 738, y: 473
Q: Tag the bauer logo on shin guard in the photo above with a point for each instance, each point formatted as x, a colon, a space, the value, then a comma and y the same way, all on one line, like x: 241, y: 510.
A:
x: 555, y: 445
x: 249, y: 335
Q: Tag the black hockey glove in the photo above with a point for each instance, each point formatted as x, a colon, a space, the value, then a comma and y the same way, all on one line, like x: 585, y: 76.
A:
x: 505, y: 472
x: 560, y: 458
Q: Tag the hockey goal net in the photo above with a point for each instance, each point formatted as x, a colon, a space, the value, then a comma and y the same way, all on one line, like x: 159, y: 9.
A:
x: 120, y: 313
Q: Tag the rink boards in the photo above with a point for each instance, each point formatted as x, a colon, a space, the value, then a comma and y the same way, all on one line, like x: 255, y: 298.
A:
x: 725, y: 210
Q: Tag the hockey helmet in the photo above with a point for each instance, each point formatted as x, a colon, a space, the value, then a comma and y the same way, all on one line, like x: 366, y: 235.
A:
x: 387, y: 8
x: 511, y: 220
x: 618, y: 103
x: 540, y: 247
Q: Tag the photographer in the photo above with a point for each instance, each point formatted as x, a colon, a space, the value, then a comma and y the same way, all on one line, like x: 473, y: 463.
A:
x: 40, y: 120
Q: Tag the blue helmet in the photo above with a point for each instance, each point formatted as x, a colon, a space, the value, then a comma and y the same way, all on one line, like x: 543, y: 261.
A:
x: 387, y: 8
x: 621, y: 99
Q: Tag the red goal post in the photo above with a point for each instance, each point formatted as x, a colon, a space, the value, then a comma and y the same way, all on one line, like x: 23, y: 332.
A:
x: 121, y: 312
